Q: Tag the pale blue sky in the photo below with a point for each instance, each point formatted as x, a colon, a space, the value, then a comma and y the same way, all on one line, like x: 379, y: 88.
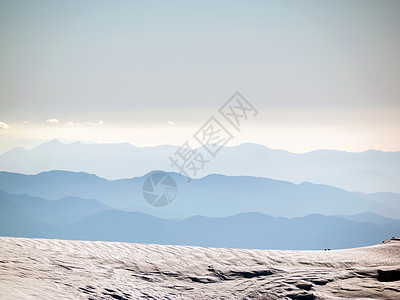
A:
x: 323, y: 71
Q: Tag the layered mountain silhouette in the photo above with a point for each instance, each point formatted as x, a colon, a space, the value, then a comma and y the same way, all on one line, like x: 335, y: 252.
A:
x: 8, y: 143
x: 64, y: 211
x: 82, y: 219
x: 368, y: 172
x: 211, y: 196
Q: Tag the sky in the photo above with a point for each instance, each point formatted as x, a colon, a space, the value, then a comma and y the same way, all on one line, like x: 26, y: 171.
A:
x: 321, y: 74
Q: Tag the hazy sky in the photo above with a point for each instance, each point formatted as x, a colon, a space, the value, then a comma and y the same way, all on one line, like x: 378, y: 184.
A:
x: 322, y: 74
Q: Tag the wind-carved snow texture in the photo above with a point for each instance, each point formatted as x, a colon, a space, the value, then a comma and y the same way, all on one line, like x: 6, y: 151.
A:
x: 61, y: 269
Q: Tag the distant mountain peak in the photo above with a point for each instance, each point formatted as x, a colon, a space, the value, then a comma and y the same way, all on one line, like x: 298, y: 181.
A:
x: 49, y: 144
x: 55, y: 142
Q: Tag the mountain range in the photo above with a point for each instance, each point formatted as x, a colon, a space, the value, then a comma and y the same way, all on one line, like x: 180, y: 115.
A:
x: 368, y: 172
x: 83, y: 219
x: 210, y: 196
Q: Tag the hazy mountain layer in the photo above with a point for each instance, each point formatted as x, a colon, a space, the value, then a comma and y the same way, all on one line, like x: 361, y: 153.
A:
x: 213, y: 196
x: 72, y: 218
x: 369, y: 171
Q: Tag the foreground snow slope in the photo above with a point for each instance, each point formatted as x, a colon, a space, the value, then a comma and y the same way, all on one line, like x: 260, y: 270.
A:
x: 55, y: 269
